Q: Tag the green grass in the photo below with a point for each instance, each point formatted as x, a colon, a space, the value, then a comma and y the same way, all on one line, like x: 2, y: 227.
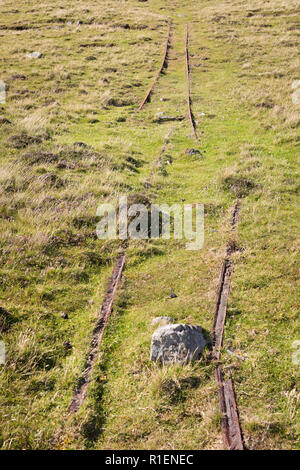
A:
x: 52, y: 263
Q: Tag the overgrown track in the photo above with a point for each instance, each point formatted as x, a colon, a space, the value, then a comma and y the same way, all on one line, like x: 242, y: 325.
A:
x: 188, y: 76
x: 232, y: 435
x: 224, y: 290
x: 221, y: 307
x: 106, y: 309
x: 163, y: 65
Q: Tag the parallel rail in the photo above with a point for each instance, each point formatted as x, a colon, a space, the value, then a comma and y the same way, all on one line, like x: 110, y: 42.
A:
x: 231, y: 429
x: 221, y: 307
x: 105, y: 312
x: 106, y: 309
x: 188, y: 77
x: 232, y: 434
x: 161, y: 68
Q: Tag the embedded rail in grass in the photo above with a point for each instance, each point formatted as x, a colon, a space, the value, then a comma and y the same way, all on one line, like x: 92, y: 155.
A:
x: 232, y: 434
x: 188, y: 76
x: 106, y: 309
x: 224, y: 290
x: 221, y: 307
x: 164, y: 64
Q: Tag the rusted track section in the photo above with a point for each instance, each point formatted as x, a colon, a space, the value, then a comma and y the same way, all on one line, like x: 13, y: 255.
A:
x: 232, y: 435
x: 106, y: 309
x: 188, y: 76
x: 224, y: 289
x: 235, y: 213
x: 221, y: 307
x: 163, y: 65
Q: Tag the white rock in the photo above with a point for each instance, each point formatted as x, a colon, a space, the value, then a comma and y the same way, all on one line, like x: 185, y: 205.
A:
x: 177, y: 343
x: 34, y: 55
x: 246, y: 65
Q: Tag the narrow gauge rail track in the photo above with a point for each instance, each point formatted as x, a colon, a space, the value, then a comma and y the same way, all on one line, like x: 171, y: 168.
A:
x: 188, y: 77
x: 107, y: 304
x: 232, y: 434
x: 224, y: 291
x: 231, y: 430
x: 105, y: 312
x: 221, y: 307
x: 163, y: 65
x: 106, y: 309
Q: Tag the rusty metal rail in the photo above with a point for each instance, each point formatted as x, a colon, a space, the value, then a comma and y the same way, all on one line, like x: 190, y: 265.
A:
x: 221, y: 307
x: 235, y: 213
x: 106, y: 309
x: 163, y: 65
x: 188, y: 76
x: 232, y: 434
x: 224, y: 289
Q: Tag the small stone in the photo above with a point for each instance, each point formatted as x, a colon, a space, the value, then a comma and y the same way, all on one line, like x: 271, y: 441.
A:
x: 160, y: 117
x: 246, y: 65
x: 80, y: 144
x: 233, y: 353
x: 34, y: 55
x: 4, y: 120
x: 162, y: 320
x: 64, y: 316
x: 192, y: 152
x: 177, y: 343
x: 18, y: 76
x: 173, y: 295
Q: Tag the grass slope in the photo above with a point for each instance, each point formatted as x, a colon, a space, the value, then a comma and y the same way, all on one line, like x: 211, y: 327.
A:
x: 85, y: 89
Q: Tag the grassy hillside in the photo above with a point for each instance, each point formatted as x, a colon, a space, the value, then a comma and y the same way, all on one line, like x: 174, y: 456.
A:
x: 70, y: 140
